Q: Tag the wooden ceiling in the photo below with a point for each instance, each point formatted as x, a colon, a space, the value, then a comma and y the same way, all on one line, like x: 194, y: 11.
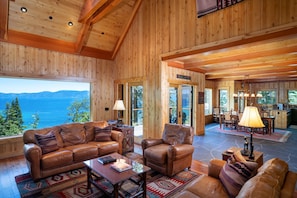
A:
x: 99, y: 28
x: 257, y: 58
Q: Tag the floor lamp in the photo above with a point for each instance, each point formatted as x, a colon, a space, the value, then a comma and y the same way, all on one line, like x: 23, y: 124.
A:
x: 251, y: 119
x: 119, y: 106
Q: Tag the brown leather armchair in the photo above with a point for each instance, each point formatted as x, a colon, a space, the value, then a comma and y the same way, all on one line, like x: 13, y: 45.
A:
x: 172, y: 153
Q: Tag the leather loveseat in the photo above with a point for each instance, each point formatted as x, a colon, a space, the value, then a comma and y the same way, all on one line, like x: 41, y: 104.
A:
x: 62, y: 148
x: 272, y: 180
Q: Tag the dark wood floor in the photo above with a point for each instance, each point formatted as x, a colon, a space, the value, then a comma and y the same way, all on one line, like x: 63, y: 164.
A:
x: 11, y: 167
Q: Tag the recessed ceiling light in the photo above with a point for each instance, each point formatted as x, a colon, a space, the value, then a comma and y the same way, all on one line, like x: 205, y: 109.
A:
x: 70, y: 23
x: 293, y: 65
x: 24, y: 9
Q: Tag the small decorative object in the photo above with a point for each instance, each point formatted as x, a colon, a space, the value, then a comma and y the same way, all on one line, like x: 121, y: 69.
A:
x: 245, y: 150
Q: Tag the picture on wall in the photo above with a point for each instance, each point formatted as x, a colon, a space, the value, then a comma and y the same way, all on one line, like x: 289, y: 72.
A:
x: 205, y: 7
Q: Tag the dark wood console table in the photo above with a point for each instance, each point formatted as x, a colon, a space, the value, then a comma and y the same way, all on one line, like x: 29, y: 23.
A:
x: 128, y: 141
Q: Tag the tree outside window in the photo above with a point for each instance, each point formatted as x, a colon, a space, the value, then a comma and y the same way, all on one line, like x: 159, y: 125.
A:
x: 268, y: 97
x: 292, y: 97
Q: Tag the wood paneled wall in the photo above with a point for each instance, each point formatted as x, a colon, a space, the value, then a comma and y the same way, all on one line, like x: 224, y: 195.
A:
x: 28, y: 62
x: 163, y: 26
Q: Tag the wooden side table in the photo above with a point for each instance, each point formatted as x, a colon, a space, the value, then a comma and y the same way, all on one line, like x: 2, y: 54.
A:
x: 258, y: 155
x: 128, y: 140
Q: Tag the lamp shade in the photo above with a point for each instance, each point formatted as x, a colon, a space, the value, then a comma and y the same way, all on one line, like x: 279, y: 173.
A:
x: 119, y: 105
x: 251, y: 118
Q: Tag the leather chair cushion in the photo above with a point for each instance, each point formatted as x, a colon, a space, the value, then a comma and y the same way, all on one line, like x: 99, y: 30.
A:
x: 73, y: 134
x: 83, y: 152
x: 157, y: 153
x: 56, y: 159
x: 89, y: 127
x: 177, y: 134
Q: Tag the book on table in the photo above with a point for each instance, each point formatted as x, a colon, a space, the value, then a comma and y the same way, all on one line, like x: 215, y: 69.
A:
x: 106, y: 159
x: 121, y: 166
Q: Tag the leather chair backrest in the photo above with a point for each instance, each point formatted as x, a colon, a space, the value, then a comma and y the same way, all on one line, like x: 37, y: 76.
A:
x: 177, y: 134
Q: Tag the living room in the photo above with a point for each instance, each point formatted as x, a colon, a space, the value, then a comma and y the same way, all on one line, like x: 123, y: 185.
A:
x: 159, y: 29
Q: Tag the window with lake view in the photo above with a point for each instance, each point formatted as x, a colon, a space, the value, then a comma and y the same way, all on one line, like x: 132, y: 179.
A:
x: 31, y: 103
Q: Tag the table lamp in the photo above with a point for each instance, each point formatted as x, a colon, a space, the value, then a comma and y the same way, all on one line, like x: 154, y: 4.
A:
x: 119, y: 106
x: 251, y: 119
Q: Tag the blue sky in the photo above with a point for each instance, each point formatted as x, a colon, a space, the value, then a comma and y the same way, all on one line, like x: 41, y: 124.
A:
x: 21, y: 85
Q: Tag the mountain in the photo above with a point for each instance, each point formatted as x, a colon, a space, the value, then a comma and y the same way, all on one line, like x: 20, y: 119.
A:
x: 46, y: 94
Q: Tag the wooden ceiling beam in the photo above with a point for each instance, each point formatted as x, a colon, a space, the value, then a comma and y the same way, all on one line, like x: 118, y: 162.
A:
x: 126, y: 27
x: 246, y: 56
x: 4, y: 6
x: 228, y: 43
x: 31, y: 40
x: 89, y: 9
x: 83, y: 36
x: 104, y: 10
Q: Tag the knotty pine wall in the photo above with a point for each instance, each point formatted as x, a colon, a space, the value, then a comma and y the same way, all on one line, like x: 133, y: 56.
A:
x: 28, y: 62
x: 163, y: 26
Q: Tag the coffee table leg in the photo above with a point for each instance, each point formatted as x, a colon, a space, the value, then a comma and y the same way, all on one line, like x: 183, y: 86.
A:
x: 144, y: 185
x: 89, y: 177
x: 116, y: 190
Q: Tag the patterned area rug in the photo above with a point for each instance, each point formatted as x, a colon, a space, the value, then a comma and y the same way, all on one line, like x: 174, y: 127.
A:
x: 278, y: 135
x: 73, y: 184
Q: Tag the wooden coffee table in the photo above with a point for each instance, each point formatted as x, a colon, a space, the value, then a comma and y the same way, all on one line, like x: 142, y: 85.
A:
x: 96, y: 170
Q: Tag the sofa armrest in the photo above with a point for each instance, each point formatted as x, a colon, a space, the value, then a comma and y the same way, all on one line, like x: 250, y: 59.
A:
x: 33, y: 156
x: 214, y: 167
x: 179, y: 151
x: 289, y: 185
x: 118, y: 137
x: 146, y: 143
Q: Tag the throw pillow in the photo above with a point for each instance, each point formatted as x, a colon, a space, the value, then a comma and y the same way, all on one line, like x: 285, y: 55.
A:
x: 103, y: 134
x: 47, y: 142
x: 73, y: 134
x: 234, y: 175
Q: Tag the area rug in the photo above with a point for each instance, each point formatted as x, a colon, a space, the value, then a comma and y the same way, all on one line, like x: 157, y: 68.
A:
x: 73, y: 184
x: 278, y: 135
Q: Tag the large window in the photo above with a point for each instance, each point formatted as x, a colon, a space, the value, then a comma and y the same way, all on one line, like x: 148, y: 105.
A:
x: 223, y: 96
x: 292, y: 97
x: 28, y: 103
x: 208, y: 101
x: 268, y: 97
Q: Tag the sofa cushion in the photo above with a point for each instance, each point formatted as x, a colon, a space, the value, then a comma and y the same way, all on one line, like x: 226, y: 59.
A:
x: 103, y: 134
x: 73, y: 134
x: 83, y: 152
x: 47, y: 142
x: 207, y: 187
x: 234, y: 175
x: 106, y: 147
x: 56, y: 159
x: 89, y: 127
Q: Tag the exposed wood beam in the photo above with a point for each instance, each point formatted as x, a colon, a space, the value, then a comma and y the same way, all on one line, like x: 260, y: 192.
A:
x: 104, y: 10
x: 89, y: 9
x: 4, y: 4
x: 263, y: 36
x: 126, y: 27
x: 83, y: 36
x: 31, y: 40
x: 239, y: 57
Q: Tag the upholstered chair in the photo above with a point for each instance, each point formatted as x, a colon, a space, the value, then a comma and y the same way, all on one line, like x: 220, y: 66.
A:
x: 172, y: 153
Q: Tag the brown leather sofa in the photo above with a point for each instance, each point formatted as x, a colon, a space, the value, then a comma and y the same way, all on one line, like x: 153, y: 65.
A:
x: 67, y: 146
x: 272, y: 180
x: 172, y: 153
